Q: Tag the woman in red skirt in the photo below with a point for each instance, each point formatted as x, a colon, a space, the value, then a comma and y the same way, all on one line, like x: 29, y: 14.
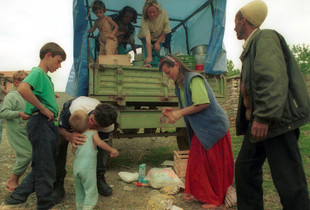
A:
x: 210, y: 168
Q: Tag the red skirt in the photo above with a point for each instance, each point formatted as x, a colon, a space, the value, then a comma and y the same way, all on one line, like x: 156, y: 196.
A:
x: 210, y: 172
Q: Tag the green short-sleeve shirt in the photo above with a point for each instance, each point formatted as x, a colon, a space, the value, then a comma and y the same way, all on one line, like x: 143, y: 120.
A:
x: 43, y: 88
x: 199, y: 92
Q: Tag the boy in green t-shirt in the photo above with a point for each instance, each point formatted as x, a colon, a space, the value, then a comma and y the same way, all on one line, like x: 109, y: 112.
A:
x: 38, y: 90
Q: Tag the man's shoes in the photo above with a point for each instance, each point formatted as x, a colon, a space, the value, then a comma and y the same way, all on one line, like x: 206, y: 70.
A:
x: 103, y: 188
x: 58, y: 193
x: 13, y: 201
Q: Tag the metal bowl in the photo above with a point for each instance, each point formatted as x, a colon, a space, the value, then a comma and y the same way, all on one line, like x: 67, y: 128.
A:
x: 200, y: 49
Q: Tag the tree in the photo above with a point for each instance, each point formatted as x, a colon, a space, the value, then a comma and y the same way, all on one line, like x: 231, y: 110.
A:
x: 231, y: 70
x: 302, y: 54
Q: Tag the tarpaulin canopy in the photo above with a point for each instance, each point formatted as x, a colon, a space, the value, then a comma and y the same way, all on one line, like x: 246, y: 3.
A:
x: 193, y: 23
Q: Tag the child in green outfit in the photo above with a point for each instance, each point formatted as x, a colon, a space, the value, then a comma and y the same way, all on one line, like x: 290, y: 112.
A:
x: 12, y: 111
x: 38, y: 90
x: 85, y: 160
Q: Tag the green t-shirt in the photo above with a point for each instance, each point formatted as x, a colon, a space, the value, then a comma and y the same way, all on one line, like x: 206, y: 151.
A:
x: 199, y: 92
x: 43, y: 88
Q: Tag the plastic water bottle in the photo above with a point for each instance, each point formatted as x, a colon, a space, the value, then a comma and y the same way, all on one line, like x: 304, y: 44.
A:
x: 141, y: 176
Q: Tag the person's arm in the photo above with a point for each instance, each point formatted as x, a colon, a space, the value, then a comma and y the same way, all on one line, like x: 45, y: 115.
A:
x: 105, y: 146
x: 112, y: 35
x: 74, y: 138
x: 168, y: 110
x: 148, y: 49
x: 133, y: 47
x: 8, y: 109
x: 5, y: 92
x: 158, y: 41
x: 199, y: 97
x: 175, y: 115
x: 25, y: 90
x: 269, y: 83
x: 92, y: 29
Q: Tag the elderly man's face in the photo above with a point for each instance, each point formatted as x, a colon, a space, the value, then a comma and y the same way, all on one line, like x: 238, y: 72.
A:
x: 239, y: 27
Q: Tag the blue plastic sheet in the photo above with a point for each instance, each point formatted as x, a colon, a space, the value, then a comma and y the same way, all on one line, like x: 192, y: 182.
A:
x: 205, y: 27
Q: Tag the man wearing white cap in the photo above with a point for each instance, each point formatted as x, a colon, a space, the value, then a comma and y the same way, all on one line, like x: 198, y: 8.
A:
x: 273, y: 104
x: 102, y: 117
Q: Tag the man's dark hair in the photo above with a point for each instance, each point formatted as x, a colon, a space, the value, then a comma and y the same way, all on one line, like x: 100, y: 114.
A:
x: 105, y: 114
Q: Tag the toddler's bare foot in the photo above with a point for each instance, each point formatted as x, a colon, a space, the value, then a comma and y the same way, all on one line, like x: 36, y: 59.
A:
x: 188, y: 197
x: 208, y: 206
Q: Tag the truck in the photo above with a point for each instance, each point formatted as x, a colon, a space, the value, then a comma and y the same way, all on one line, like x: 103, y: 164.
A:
x: 140, y: 93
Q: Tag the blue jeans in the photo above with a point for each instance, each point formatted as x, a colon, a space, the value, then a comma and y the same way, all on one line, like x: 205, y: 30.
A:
x: 43, y: 136
x: 155, y: 55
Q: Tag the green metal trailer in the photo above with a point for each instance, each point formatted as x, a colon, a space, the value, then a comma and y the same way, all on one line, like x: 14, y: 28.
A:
x: 140, y: 95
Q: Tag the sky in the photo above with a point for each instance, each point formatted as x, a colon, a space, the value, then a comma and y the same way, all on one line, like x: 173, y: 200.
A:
x: 26, y: 25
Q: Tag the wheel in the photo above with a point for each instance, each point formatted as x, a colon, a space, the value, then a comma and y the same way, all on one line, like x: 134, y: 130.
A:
x: 182, y: 140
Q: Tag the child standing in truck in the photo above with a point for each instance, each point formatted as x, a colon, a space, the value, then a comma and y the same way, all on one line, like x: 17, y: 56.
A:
x: 12, y: 111
x: 85, y: 161
x: 107, y: 30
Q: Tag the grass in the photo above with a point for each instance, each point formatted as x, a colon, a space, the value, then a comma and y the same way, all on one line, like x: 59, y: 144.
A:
x: 271, y: 197
x: 155, y: 156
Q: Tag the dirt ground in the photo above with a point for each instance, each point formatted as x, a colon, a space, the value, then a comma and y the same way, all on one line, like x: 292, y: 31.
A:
x: 125, y: 196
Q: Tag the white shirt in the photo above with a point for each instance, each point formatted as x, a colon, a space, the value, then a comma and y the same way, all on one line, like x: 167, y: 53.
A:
x: 84, y: 103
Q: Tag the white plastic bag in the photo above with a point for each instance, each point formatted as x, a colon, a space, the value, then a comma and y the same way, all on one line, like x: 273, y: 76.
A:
x: 128, y: 177
x: 161, y: 177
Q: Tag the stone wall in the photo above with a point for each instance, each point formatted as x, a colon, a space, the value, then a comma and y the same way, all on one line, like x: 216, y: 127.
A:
x: 307, y: 80
x: 232, y: 93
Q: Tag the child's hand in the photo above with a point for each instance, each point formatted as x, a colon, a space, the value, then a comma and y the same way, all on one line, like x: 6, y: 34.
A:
x: 111, y: 36
x: 48, y: 113
x: 73, y: 150
x: 114, y: 153
x: 24, y: 116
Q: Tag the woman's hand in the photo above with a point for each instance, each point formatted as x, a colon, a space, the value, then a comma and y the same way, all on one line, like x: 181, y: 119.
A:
x: 148, y: 60
x: 173, y: 116
x: 156, y: 47
x: 166, y: 111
